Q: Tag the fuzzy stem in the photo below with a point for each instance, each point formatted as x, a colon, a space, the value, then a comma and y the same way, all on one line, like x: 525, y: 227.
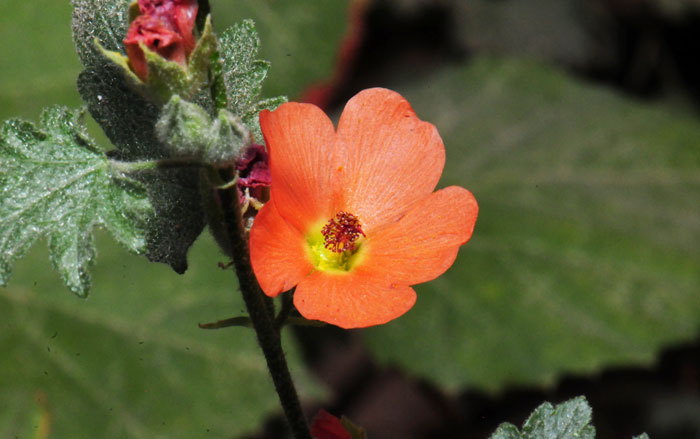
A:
x: 263, y: 321
x: 145, y: 165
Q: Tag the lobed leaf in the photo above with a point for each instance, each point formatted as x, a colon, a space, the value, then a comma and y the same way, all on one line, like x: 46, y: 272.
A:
x: 570, y: 419
x: 57, y: 182
x: 243, y: 75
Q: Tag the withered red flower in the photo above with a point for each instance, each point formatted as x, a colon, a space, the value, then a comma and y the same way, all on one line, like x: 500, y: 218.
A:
x: 352, y: 220
x: 253, y: 174
x: 157, y: 35
x: 181, y: 13
x: 165, y: 27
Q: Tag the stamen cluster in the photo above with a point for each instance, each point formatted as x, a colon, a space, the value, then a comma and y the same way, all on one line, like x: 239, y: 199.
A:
x: 341, y: 232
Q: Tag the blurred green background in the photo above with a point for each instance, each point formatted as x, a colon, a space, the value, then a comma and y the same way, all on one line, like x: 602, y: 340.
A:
x: 572, y: 122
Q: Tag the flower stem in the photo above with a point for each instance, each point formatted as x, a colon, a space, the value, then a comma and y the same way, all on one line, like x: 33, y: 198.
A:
x: 145, y: 165
x: 261, y: 317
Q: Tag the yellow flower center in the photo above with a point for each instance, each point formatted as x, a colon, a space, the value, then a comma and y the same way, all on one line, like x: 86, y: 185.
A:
x: 337, y: 245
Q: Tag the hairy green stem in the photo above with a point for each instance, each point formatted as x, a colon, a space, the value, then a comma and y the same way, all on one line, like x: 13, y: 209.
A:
x: 259, y: 310
x: 145, y: 165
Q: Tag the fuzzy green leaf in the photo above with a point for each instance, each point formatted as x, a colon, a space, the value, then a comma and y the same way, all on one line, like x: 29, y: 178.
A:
x: 570, y: 419
x: 104, y: 20
x: 243, y: 75
x: 129, y: 122
x: 250, y: 118
x: 57, y: 182
x: 128, y: 119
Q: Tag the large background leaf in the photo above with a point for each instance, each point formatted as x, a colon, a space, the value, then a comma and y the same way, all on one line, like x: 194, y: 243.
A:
x: 130, y: 362
x: 585, y: 251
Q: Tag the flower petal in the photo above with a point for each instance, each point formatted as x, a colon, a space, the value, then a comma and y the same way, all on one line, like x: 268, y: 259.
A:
x: 300, y: 140
x: 424, y: 243
x: 389, y: 157
x: 351, y: 300
x: 277, y: 252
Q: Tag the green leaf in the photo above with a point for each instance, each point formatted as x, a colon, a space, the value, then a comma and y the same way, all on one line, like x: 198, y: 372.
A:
x: 57, y: 182
x: 104, y: 20
x: 570, y: 419
x: 130, y: 362
x: 128, y: 120
x: 584, y: 254
x: 243, y: 75
x: 250, y: 118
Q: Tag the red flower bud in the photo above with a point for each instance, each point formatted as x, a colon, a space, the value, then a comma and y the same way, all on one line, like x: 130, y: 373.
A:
x: 165, y: 27
x: 327, y: 426
x: 180, y: 13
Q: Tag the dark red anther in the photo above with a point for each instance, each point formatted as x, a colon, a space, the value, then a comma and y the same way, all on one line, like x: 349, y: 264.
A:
x: 341, y: 232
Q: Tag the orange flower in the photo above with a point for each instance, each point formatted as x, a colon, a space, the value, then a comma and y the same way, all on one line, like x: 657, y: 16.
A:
x: 352, y: 219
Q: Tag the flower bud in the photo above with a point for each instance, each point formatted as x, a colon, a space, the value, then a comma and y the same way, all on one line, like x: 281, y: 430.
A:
x: 164, y: 27
x: 156, y: 35
x: 181, y: 14
x: 327, y: 426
